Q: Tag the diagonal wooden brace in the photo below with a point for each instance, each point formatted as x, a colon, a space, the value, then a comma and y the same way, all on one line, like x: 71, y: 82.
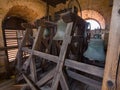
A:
x: 46, y: 78
x: 61, y: 59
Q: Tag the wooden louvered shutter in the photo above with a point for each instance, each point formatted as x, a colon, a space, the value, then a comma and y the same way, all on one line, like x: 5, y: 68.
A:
x: 11, y: 41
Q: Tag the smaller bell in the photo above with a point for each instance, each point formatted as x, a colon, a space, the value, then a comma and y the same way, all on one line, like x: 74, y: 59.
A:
x: 61, y: 27
x: 95, y: 50
x: 46, y: 33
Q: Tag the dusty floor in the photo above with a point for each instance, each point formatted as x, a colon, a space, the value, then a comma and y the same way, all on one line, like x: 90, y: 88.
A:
x: 12, y: 88
x: 9, y: 85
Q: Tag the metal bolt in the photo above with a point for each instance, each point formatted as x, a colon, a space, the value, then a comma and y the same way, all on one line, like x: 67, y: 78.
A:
x: 110, y: 83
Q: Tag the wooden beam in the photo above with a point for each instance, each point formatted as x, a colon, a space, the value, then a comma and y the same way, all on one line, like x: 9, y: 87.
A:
x: 85, y: 80
x: 36, y: 46
x: 6, y: 48
x: 64, y: 82
x: 61, y: 59
x: 42, y: 55
x: 46, y: 78
x: 28, y: 25
x: 19, y: 54
x: 90, y: 69
x: 30, y: 83
x: 6, y: 84
x: 33, y: 69
x: 110, y: 73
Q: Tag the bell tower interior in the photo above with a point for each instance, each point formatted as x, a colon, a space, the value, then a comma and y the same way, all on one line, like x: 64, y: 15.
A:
x: 59, y: 45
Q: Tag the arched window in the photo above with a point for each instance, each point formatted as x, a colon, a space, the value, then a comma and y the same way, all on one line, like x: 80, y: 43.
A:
x: 93, y: 24
x: 12, y: 32
x: 93, y: 16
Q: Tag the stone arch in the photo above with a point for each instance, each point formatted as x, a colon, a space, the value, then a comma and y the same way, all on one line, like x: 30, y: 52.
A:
x: 29, y: 10
x: 91, y: 14
x: 23, y: 7
x: 22, y: 12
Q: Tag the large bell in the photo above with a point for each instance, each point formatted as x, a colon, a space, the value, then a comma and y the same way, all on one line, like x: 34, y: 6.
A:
x: 61, y: 27
x: 95, y: 50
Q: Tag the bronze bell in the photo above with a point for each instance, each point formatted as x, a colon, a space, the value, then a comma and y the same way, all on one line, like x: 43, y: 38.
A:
x: 95, y: 50
x: 61, y: 27
x: 46, y: 33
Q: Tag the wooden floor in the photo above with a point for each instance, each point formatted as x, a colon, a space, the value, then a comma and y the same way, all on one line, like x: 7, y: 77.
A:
x: 9, y: 85
x: 12, y: 88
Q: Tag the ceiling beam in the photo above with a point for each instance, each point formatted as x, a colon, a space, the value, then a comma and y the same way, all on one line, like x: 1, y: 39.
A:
x: 55, y: 2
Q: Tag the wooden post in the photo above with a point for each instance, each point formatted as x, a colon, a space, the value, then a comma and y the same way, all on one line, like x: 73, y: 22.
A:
x: 60, y: 64
x: 23, y: 42
x: 109, y: 79
x: 36, y: 46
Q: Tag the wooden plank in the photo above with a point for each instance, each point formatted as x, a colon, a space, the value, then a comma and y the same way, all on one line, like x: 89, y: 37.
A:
x: 66, y: 41
x: 49, y: 23
x: 85, y: 80
x: 30, y: 83
x: 36, y: 45
x: 10, y: 47
x: 90, y: 69
x: 6, y: 84
x: 118, y: 74
x: 42, y: 55
x: 46, y: 78
x: 109, y: 81
x: 28, y: 25
x: 64, y: 82
x: 38, y: 38
x: 19, y: 54
x: 33, y: 69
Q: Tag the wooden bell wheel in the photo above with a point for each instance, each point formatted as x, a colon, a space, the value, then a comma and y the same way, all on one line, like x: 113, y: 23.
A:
x: 57, y: 76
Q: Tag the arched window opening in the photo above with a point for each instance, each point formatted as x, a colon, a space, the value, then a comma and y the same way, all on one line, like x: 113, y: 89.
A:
x: 12, y: 33
x: 94, y: 25
x: 95, y: 16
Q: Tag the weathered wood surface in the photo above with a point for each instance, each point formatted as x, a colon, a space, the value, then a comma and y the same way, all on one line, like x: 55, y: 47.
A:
x: 85, y: 80
x: 42, y: 55
x: 118, y: 75
x: 109, y: 81
x: 64, y: 82
x: 61, y: 59
x: 36, y: 46
x: 23, y: 42
x: 90, y: 69
x: 43, y: 22
x: 30, y: 83
x: 47, y: 77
